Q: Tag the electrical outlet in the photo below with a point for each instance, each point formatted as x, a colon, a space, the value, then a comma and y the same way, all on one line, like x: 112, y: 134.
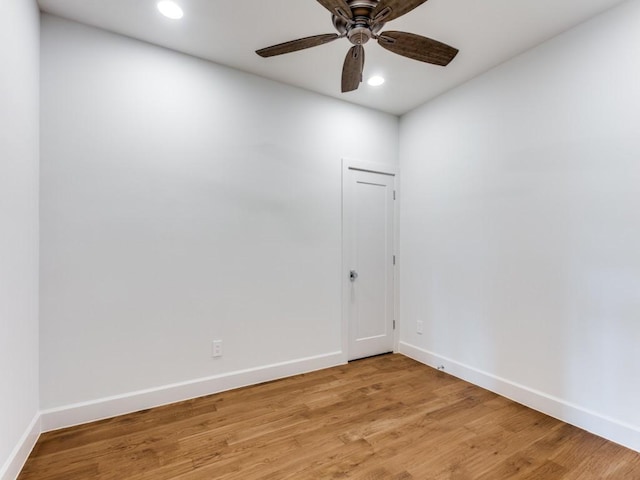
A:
x: 420, y: 327
x: 216, y: 350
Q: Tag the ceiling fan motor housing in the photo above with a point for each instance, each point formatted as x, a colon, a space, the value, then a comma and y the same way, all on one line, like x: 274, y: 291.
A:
x: 361, y: 29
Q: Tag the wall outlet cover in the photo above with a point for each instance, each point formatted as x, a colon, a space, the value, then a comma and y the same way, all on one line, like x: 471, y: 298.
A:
x: 216, y: 350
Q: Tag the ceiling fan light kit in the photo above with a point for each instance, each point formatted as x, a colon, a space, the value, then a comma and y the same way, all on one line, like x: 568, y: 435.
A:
x: 359, y: 21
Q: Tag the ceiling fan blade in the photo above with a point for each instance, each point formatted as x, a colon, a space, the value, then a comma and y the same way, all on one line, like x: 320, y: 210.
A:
x: 353, y: 68
x: 418, y: 48
x: 392, y: 9
x: 337, y: 7
x: 295, y: 45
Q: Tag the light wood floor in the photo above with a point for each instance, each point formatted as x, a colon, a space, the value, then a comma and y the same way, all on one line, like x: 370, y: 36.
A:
x: 381, y: 418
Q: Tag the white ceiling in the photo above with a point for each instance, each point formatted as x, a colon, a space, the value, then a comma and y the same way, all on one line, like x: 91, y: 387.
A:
x: 487, y: 32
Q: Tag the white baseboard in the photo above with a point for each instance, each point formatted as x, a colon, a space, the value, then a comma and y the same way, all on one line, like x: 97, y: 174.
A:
x: 12, y: 467
x: 76, y: 414
x: 601, y: 425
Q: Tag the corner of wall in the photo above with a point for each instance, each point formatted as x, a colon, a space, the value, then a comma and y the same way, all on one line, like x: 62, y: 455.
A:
x: 18, y: 457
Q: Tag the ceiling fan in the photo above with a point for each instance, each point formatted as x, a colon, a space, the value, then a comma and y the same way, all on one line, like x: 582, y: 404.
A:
x: 360, y: 21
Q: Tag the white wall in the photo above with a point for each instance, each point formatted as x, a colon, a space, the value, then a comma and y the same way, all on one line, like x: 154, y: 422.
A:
x: 521, y: 225
x: 184, y: 202
x: 19, y: 127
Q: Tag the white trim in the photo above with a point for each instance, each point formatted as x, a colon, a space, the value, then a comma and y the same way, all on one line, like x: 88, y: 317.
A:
x: 619, y: 432
x: 384, y: 169
x: 12, y: 467
x: 85, y: 412
x: 373, y: 167
x: 396, y: 271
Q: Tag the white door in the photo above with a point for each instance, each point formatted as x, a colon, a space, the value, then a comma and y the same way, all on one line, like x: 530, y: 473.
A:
x: 369, y: 262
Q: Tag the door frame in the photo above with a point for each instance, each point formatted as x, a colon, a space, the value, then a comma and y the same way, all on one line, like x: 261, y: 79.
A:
x: 384, y: 169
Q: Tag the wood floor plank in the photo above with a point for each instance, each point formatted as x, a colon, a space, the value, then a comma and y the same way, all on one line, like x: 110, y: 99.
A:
x: 386, y: 417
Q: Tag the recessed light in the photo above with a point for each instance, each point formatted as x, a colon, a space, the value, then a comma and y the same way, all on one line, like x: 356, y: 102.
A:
x: 170, y: 9
x: 376, y: 81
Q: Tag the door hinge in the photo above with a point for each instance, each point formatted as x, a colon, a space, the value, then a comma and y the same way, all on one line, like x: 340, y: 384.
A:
x: 394, y: 259
x: 394, y: 194
x: 394, y: 324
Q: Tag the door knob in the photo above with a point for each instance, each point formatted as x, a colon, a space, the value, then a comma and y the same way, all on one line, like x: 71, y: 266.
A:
x: 353, y: 275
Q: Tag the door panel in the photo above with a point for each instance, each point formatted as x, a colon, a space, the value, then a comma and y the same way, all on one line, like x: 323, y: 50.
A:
x: 369, y: 212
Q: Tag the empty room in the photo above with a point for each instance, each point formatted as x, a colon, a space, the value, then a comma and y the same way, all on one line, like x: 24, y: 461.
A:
x: 312, y: 239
